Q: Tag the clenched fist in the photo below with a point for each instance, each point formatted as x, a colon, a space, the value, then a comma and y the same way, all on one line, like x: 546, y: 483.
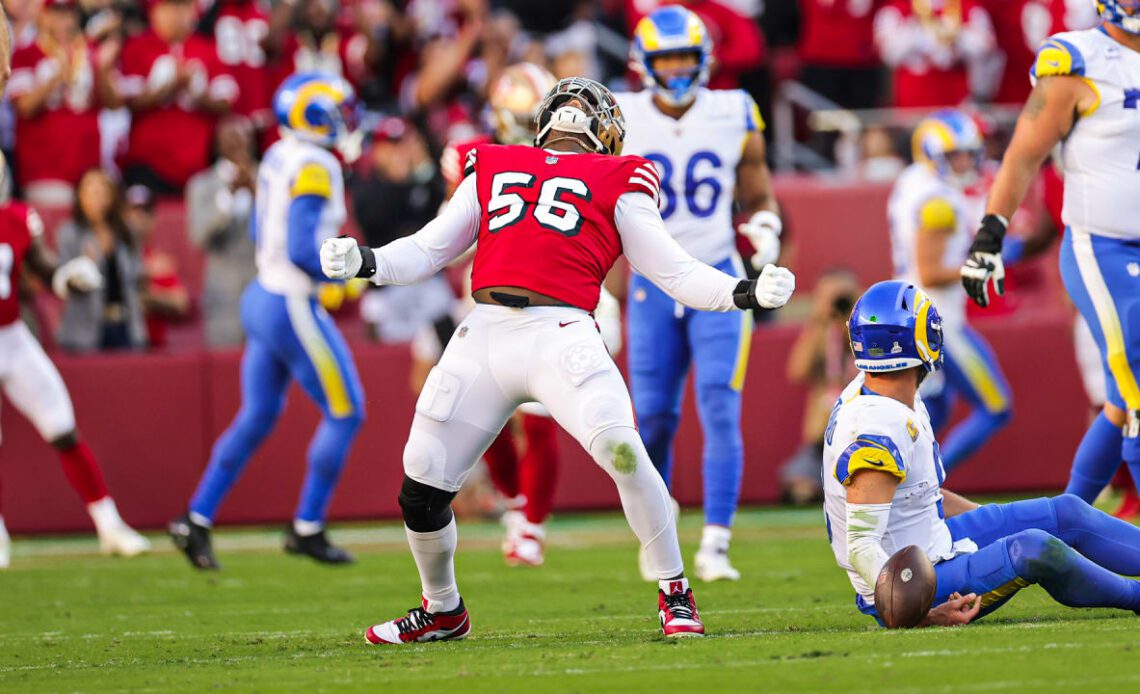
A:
x: 341, y: 258
x: 771, y: 290
x: 774, y: 286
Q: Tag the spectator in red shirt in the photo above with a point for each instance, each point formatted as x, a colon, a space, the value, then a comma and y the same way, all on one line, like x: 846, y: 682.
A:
x: 313, y: 40
x: 175, y: 88
x: 59, y: 83
x: 1020, y: 26
x: 239, y: 29
x: 837, y: 50
x: 931, y: 46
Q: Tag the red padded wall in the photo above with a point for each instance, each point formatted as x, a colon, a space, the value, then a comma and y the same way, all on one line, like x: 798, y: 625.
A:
x: 152, y: 419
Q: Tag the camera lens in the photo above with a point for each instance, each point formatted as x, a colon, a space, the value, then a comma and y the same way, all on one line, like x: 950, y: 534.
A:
x: 843, y: 304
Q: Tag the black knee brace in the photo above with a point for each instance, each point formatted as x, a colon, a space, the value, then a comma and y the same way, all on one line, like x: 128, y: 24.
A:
x: 426, y: 509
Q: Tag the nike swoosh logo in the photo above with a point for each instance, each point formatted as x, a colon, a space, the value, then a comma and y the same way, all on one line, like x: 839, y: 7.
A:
x: 876, y: 463
x: 1054, y: 63
x: 569, y: 322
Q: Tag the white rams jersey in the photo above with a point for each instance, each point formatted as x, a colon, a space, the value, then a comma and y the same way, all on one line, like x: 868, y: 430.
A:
x: 873, y: 432
x: 1101, y: 155
x: 697, y: 156
x: 920, y: 199
x: 289, y: 169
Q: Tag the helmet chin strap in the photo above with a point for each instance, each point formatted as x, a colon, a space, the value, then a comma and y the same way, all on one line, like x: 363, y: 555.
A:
x: 572, y: 121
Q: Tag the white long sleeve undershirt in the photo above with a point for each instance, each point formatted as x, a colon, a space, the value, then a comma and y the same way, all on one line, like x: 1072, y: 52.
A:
x: 655, y: 255
x: 647, y: 245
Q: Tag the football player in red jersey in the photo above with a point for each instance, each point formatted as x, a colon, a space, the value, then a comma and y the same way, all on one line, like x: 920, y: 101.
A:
x: 548, y: 223
x: 33, y: 385
x: 527, y: 481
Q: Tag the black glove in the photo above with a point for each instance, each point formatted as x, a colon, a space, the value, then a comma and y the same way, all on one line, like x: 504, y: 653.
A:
x: 984, y: 264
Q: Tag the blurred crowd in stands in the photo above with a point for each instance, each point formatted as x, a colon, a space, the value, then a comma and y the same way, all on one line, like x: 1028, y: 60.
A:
x: 116, y: 106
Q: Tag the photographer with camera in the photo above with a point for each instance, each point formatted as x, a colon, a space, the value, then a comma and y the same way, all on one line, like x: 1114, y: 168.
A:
x: 819, y: 359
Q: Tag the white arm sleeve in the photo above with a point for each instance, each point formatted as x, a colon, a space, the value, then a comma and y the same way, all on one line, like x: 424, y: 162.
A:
x: 654, y: 254
x: 866, y: 525
x: 442, y: 240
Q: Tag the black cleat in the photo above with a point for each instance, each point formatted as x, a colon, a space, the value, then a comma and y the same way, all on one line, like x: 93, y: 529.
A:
x: 316, y: 546
x: 194, y: 541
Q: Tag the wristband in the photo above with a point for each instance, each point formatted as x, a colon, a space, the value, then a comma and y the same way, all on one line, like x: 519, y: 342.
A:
x: 995, y: 225
x: 744, y: 296
x: 367, y: 262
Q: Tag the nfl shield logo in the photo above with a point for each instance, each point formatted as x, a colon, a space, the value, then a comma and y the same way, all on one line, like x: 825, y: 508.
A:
x: 552, y: 160
x: 463, y: 331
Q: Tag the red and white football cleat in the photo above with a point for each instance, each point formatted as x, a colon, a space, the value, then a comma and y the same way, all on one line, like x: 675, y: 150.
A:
x: 528, y: 547
x: 678, y: 610
x: 526, y: 550
x: 421, y: 626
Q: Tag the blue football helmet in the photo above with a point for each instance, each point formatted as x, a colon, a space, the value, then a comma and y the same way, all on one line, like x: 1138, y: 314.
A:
x: 671, y: 30
x: 320, y: 108
x: 1124, y: 14
x: 895, y: 326
x: 944, y: 132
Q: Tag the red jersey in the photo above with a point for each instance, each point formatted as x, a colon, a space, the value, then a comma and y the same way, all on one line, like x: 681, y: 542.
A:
x: 548, y: 218
x: 928, y: 48
x: 19, y: 225
x: 337, y: 52
x: 239, y: 30
x: 838, y: 33
x: 61, y: 141
x: 1019, y: 28
x: 173, y: 139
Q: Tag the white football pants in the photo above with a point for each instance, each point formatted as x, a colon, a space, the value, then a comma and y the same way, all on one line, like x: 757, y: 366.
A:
x: 33, y: 384
x: 500, y: 358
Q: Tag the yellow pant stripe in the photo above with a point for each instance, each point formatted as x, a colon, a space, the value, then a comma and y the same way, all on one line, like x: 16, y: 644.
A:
x: 1107, y: 318
x: 978, y: 373
x: 742, y: 352
x: 1003, y: 592
x: 745, y: 346
x: 321, y: 356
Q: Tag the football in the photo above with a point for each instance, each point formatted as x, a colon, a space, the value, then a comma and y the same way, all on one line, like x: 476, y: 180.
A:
x: 905, y: 588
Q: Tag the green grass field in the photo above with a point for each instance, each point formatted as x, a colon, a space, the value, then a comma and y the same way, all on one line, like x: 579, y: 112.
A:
x: 73, y: 621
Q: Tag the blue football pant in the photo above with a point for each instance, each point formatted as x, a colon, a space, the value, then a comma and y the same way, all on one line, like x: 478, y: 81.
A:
x: 1076, y: 553
x: 288, y: 338
x: 971, y: 370
x: 664, y: 339
x: 1100, y: 275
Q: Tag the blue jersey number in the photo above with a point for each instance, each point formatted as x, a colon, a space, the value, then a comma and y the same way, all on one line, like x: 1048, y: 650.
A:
x: 695, y: 186
x: 1131, y: 98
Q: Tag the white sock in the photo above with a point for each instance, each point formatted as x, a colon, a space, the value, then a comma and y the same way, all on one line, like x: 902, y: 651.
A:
x: 644, y: 498
x: 199, y: 519
x: 677, y: 585
x: 715, y: 538
x: 434, y: 553
x: 105, y: 515
x: 535, y: 530
x: 305, y: 528
x: 5, y: 545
